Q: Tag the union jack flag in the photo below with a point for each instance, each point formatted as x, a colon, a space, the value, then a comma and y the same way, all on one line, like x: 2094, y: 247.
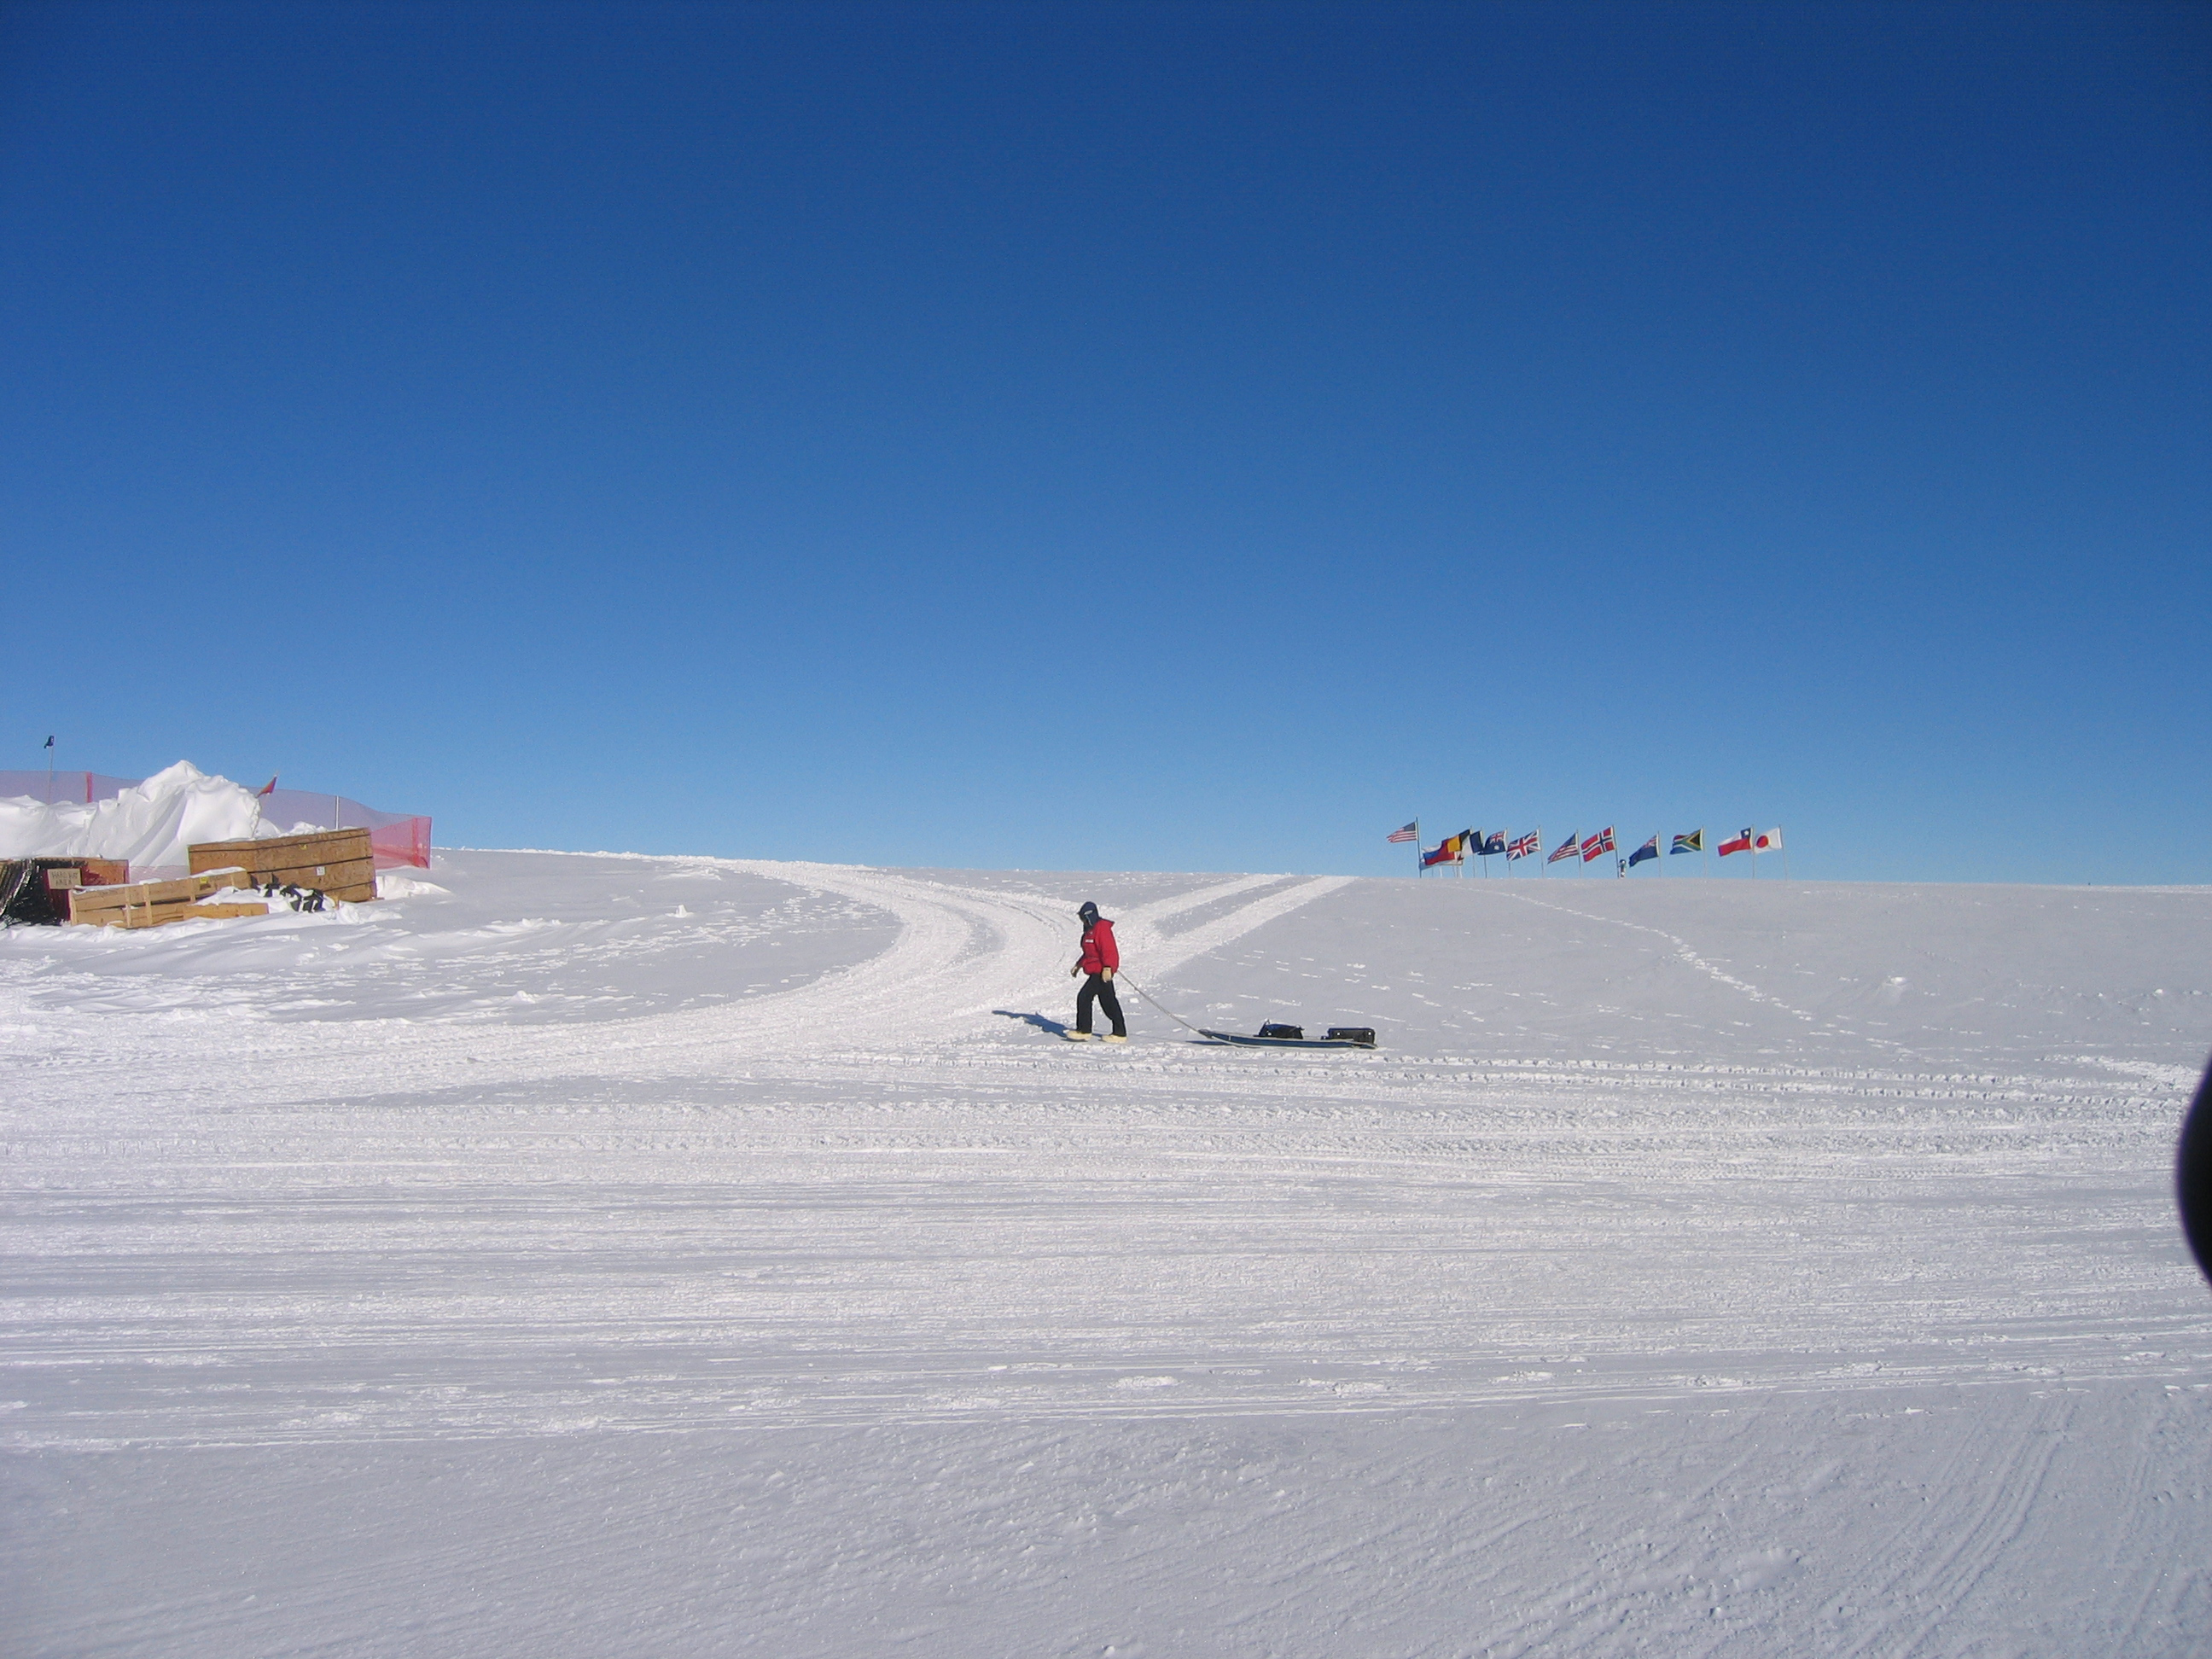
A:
x: 1598, y: 844
x: 1524, y: 847
x: 1407, y: 833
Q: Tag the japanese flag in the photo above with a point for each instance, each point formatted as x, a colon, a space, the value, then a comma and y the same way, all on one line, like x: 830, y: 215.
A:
x: 1769, y: 842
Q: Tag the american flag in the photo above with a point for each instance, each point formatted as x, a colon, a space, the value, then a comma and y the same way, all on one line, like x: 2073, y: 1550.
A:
x: 1524, y: 847
x: 1598, y: 843
x: 1565, y: 849
x: 1408, y: 833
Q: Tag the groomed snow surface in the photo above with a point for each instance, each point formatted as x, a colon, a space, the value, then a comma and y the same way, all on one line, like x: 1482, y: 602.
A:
x: 601, y: 1255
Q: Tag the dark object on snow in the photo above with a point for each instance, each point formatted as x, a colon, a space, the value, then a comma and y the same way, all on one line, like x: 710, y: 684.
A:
x: 1289, y: 1036
x: 1361, y: 1036
x: 23, y: 896
x: 2192, y: 1175
x: 300, y: 898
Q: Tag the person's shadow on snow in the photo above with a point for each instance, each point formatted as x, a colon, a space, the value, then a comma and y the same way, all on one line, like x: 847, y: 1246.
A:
x: 1042, y: 1022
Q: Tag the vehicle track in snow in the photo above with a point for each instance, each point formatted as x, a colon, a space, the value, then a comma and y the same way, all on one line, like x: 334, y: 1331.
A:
x: 959, y: 953
x: 1427, y: 1351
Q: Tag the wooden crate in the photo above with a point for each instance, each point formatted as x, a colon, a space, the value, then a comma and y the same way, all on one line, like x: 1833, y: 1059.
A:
x: 36, y: 890
x: 153, y: 903
x: 339, y: 862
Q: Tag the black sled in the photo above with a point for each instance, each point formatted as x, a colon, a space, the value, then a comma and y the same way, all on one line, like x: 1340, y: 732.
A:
x: 1271, y: 1035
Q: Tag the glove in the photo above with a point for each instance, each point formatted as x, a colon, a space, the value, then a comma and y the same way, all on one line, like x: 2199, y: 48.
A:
x: 1107, y: 975
x: 1076, y: 972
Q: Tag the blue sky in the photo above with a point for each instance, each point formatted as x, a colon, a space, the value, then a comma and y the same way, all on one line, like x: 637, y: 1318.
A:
x: 1125, y: 436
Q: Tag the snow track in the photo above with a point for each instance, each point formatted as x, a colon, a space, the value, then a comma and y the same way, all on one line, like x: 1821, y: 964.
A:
x: 959, y: 952
x: 830, y: 1305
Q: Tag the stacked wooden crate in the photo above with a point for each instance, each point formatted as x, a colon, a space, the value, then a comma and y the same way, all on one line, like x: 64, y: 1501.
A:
x: 153, y: 903
x: 339, y: 862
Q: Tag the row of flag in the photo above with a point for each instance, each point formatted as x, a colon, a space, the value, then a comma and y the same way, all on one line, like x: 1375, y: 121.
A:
x: 1456, y: 849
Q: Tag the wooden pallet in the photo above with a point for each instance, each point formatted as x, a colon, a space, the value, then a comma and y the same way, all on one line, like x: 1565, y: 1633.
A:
x: 156, y: 904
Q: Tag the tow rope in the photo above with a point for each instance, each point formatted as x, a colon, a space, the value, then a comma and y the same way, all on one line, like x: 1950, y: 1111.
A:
x: 1155, y: 1003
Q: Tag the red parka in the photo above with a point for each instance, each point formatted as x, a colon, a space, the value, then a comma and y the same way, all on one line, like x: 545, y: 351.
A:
x: 1100, y: 953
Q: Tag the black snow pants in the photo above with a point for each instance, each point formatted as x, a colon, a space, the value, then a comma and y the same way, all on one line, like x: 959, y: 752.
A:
x: 1103, y: 989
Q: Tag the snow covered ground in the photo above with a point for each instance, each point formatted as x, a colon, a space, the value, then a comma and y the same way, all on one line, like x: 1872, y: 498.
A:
x: 588, y: 1255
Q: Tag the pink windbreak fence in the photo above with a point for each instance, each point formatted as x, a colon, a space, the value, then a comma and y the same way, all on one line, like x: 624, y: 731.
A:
x: 396, y: 838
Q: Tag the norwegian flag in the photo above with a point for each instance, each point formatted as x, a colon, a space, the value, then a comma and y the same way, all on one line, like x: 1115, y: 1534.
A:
x: 1524, y: 847
x: 1736, y: 844
x: 1598, y: 845
x: 1408, y: 833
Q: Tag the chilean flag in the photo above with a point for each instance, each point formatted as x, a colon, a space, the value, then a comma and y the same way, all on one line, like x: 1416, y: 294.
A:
x: 1740, y: 844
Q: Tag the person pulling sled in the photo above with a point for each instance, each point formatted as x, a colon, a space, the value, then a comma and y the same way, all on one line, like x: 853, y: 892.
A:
x: 1100, y: 957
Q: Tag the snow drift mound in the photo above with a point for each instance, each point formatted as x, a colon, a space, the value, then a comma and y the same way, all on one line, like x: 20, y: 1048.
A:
x: 149, y: 823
